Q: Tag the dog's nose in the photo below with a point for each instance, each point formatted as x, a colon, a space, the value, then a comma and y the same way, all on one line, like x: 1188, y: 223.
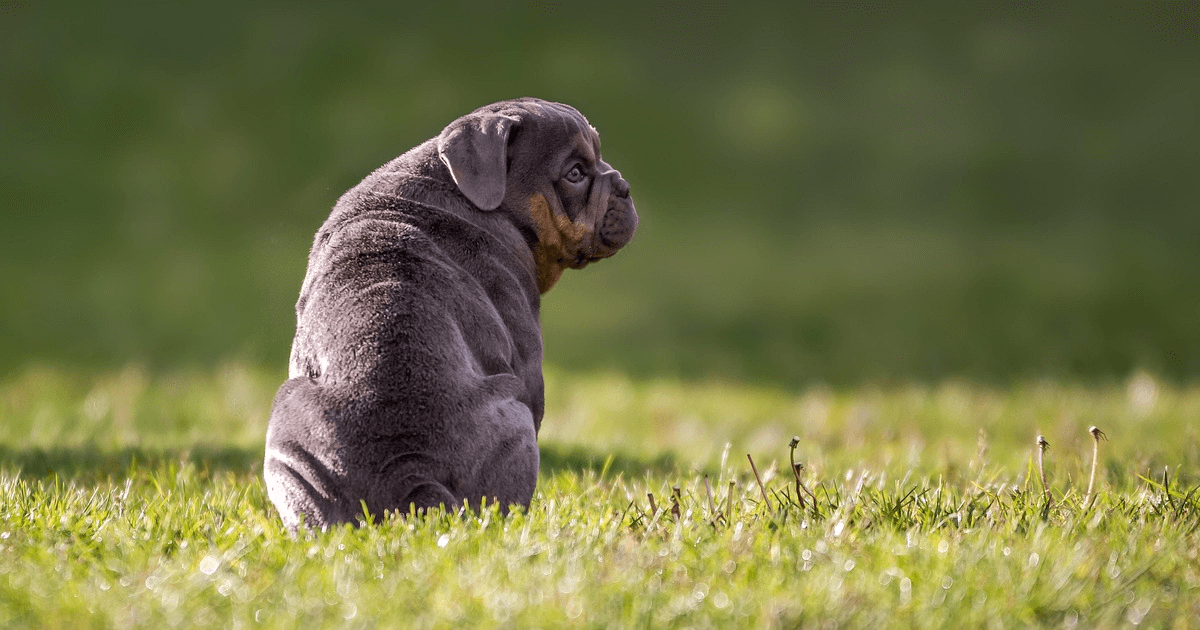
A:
x: 621, y: 187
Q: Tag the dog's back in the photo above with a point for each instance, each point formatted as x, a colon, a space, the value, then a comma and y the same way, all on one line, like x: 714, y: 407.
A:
x: 415, y: 361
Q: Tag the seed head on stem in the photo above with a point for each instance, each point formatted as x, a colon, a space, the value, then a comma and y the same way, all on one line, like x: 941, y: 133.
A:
x: 1043, y: 446
x: 1097, y: 435
x: 797, y: 468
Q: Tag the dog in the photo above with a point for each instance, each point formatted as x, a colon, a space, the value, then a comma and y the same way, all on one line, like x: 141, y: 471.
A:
x: 415, y: 377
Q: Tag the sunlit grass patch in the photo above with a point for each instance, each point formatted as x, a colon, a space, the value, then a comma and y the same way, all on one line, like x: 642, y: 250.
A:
x: 953, y: 428
x: 921, y: 506
x: 175, y: 547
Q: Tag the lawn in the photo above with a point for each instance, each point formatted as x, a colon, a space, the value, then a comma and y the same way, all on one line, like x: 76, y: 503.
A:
x: 135, y: 500
x: 913, y: 238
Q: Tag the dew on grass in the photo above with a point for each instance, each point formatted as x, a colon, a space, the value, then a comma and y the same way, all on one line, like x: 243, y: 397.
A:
x: 886, y: 576
x: 1138, y: 611
x: 568, y: 585
x: 209, y: 565
x: 905, y: 591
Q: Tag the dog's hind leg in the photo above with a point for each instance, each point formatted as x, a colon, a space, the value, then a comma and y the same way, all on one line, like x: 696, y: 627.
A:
x: 410, y: 481
x: 505, y: 469
x: 412, y: 496
x: 513, y: 471
x: 299, y: 482
x: 297, y: 486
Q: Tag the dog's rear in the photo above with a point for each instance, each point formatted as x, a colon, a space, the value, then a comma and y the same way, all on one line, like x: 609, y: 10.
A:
x: 403, y: 391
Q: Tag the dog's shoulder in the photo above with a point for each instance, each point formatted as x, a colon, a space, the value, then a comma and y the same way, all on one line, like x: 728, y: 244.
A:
x: 403, y: 227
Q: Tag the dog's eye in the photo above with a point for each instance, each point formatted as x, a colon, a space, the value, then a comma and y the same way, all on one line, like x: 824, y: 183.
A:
x: 575, y: 175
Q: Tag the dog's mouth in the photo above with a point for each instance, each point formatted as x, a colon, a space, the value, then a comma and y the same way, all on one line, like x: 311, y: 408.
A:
x: 618, y: 225
x: 583, y: 259
x: 607, y: 242
x: 615, y: 230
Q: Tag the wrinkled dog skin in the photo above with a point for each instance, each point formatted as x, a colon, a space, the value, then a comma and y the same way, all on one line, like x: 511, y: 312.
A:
x: 415, y: 377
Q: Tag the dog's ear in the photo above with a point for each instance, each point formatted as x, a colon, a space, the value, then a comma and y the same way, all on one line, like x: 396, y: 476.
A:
x: 475, y: 149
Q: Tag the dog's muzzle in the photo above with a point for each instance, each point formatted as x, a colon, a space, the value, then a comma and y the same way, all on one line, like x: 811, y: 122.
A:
x: 620, y: 219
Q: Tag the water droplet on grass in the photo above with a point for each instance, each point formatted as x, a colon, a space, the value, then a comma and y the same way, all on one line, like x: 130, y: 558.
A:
x: 209, y: 565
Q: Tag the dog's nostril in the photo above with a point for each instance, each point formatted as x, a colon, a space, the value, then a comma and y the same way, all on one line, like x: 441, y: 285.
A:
x: 621, y: 188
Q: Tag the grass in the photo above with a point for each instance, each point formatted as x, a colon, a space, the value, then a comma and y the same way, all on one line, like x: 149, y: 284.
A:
x: 135, y: 500
x: 929, y: 211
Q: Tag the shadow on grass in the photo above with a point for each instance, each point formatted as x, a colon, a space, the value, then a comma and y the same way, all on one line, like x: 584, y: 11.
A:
x: 562, y: 458
x: 86, y: 464
x: 95, y: 464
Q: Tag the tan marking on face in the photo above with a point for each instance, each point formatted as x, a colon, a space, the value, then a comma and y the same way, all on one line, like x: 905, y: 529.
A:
x: 559, y: 241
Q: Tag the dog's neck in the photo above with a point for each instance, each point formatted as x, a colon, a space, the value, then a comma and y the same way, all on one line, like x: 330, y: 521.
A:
x: 552, y: 239
x: 557, y: 244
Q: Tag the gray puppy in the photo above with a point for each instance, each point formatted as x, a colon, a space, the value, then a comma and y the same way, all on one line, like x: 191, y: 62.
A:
x: 416, y: 372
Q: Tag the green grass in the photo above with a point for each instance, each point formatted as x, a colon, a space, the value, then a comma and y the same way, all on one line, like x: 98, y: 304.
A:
x: 135, y: 500
x: 974, y: 226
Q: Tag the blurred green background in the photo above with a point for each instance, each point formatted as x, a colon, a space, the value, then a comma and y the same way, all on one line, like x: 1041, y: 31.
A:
x: 829, y: 193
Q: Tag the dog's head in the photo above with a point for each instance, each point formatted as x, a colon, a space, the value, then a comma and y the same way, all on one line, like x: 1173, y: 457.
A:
x: 540, y: 162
